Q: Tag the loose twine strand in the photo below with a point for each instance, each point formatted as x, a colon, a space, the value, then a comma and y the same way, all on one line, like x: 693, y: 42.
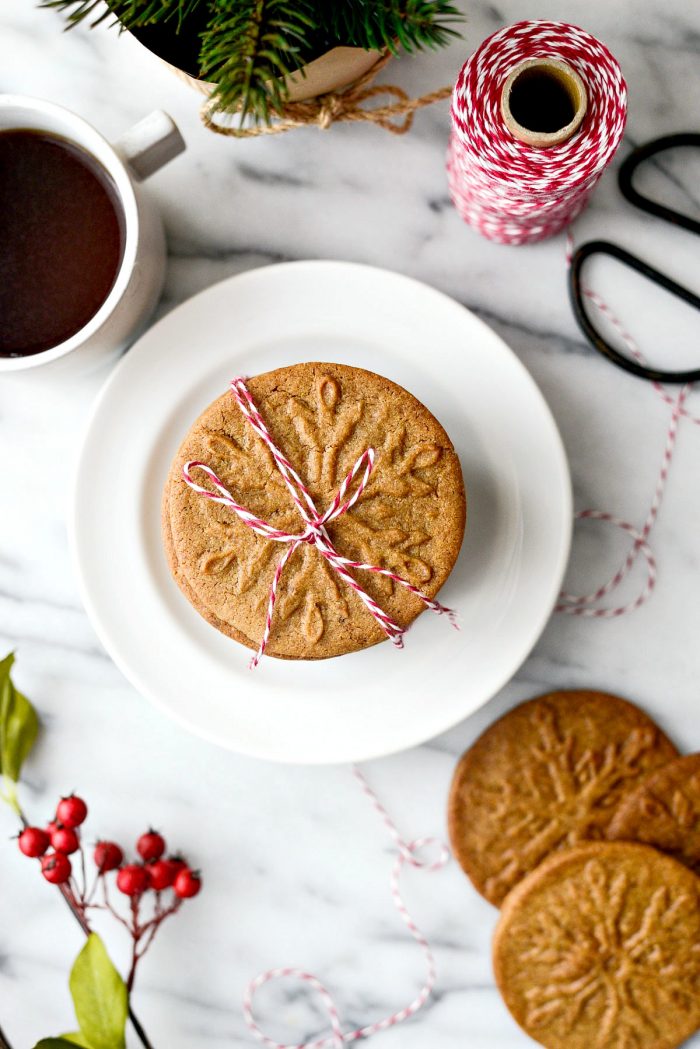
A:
x: 408, y: 854
x: 344, y: 106
x: 581, y: 605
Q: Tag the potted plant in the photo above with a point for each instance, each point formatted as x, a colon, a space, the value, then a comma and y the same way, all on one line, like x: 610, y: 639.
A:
x: 252, y: 56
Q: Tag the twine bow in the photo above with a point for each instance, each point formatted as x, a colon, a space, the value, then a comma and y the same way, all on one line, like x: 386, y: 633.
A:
x: 346, y: 105
x: 314, y: 533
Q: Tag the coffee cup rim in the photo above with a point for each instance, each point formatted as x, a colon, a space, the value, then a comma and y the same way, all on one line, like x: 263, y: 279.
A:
x: 81, y: 133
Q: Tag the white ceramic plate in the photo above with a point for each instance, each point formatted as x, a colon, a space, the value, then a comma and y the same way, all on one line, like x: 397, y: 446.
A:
x: 504, y: 585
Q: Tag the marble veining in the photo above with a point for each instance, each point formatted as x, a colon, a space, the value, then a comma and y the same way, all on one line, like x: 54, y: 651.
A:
x: 296, y: 863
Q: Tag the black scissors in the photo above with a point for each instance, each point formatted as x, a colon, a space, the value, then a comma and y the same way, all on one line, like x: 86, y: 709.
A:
x: 604, y: 247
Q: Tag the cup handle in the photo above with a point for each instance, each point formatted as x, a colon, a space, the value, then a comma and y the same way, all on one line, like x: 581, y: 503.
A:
x: 150, y: 144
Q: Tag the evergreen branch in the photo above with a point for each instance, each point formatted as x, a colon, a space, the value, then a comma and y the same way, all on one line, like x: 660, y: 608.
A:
x: 375, y: 24
x: 424, y: 24
x: 249, y: 48
x: 77, y: 11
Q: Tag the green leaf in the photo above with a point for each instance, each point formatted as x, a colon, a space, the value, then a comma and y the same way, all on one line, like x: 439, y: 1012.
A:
x: 64, y: 1042
x: 19, y: 724
x: 99, y: 996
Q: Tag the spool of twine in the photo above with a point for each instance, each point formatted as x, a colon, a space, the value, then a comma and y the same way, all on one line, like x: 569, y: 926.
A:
x: 538, y: 112
x: 346, y: 105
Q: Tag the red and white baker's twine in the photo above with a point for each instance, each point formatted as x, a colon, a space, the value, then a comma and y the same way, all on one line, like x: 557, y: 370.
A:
x: 315, y: 531
x: 507, y: 190
x: 408, y: 854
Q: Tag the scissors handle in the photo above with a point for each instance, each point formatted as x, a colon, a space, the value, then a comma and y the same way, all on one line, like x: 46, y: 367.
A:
x: 637, y: 157
x: 577, y: 296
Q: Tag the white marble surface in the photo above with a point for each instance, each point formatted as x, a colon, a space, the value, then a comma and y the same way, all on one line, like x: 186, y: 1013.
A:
x: 296, y: 864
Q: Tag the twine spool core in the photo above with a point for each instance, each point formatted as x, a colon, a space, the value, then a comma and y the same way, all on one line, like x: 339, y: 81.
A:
x: 543, y: 102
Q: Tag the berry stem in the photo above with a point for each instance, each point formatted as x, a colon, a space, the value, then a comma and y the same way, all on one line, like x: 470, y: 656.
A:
x: 110, y: 908
x: 160, y: 916
x: 135, y: 936
x: 80, y: 918
x: 84, y: 874
x: 146, y: 931
x: 76, y: 901
x: 93, y: 889
x: 150, y: 929
x: 68, y: 896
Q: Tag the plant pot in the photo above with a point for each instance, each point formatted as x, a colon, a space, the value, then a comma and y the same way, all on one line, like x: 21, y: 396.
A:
x: 336, y: 69
x: 330, y: 71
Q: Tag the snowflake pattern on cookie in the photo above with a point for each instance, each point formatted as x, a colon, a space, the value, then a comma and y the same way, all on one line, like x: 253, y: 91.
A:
x: 600, y: 949
x: 664, y: 811
x: 545, y: 776
x: 414, y: 494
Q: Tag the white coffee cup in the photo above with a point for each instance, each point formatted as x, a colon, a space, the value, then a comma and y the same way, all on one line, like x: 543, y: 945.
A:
x: 140, y: 152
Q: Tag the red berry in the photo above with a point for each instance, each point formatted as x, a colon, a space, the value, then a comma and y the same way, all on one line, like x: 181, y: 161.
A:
x: 71, y: 811
x: 56, y: 867
x: 162, y: 874
x: 107, y: 856
x: 51, y: 827
x: 150, y: 846
x: 65, y: 840
x: 132, y: 879
x: 177, y: 863
x: 187, y: 884
x: 33, y: 841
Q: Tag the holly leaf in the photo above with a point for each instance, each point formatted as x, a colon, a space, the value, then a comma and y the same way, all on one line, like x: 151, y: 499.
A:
x: 76, y: 1038
x: 100, y: 997
x: 19, y: 724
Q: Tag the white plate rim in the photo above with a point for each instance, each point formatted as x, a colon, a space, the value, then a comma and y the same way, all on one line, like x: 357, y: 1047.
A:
x: 558, y: 567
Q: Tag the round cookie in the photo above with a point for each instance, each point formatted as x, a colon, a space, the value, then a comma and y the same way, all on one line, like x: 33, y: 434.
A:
x: 599, y: 949
x: 410, y: 518
x: 664, y: 811
x: 549, y: 773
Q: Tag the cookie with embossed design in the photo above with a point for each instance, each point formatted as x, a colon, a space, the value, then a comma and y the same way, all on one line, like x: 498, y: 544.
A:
x: 410, y: 518
x: 599, y: 948
x: 664, y: 811
x: 549, y: 773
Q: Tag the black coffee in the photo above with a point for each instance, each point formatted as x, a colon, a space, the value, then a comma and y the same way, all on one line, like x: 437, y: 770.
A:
x: 61, y: 240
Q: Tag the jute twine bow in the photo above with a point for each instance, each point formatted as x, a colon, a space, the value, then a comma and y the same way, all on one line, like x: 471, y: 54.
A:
x: 346, y: 105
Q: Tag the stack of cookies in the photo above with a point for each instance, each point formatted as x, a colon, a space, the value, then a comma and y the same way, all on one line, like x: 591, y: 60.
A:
x: 575, y: 814
x: 409, y: 520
